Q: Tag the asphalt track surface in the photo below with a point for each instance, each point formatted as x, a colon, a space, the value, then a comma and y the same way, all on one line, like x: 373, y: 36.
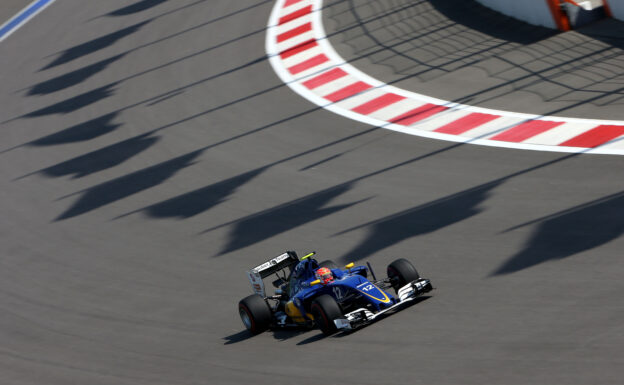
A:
x: 150, y: 156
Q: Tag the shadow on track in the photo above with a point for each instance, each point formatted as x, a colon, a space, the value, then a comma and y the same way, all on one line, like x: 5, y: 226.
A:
x: 568, y: 233
x: 139, y: 6
x: 79, y: 133
x: 72, y: 78
x: 186, y: 205
x: 298, y: 212
x: 94, y: 45
x: 200, y: 200
x: 125, y: 186
x: 72, y: 104
x: 429, y: 40
x: 278, y: 334
x: 101, y: 159
x: 317, y: 335
x: 285, y: 217
x: 110, y: 39
x: 429, y: 217
x: 420, y: 220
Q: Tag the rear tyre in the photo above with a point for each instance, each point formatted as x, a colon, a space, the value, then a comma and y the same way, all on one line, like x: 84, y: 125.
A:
x: 325, y: 310
x: 329, y: 264
x: 401, y: 272
x: 255, y: 313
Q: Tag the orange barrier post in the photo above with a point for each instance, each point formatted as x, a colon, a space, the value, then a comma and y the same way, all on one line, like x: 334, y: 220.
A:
x: 607, y: 9
x: 561, y: 19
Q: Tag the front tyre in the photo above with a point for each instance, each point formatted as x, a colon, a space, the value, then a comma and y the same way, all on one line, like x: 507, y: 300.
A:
x: 325, y: 310
x: 401, y: 272
x: 255, y: 313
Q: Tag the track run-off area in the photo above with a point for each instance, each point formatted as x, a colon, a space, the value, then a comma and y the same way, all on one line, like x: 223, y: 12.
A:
x: 151, y: 154
x: 303, y: 57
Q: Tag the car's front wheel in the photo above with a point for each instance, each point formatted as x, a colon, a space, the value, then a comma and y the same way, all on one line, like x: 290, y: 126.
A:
x: 325, y: 310
x: 255, y: 313
x: 401, y: 272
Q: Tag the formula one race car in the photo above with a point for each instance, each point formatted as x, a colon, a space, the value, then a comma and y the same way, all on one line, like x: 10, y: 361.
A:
x: 309, y: 293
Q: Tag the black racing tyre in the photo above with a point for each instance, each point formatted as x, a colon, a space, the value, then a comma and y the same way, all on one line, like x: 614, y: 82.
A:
x: 325, y: 310
x: 255, y: 313
x: 329, y: 264
x: 401, y: 272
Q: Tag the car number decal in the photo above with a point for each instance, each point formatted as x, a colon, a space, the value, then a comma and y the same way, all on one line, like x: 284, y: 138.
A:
x: 337, y: 292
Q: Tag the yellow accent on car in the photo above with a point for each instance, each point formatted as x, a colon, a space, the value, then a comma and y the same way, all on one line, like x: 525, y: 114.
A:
x: 293, y: 312
x: 313, y: 283
x: 384, y: 300
x: 350, y: 265
x: 308, y: 255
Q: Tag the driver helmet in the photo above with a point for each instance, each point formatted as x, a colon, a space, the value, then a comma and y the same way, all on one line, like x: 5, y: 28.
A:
x: 324, y: 275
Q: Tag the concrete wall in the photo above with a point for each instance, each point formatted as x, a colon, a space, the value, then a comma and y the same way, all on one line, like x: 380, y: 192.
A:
x: 617, y: 7
x: 535, y: 12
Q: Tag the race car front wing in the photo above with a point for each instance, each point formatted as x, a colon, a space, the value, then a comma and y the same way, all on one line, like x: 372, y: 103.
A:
x: 405, y: 295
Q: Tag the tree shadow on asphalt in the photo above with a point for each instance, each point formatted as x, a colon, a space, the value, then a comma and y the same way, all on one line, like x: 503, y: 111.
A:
x: 283, y: 218
x: 420, y: 220
x: 94, y: 45
x: 257, y: 227
x: 567, y: 233
x: 101, y: 159
x: 72, y: 104
x: 110, y: 39
x: 72, y: 78
x: 137, y: 7
x: 125, y: 186
x: 195, y: 202
x: 181, y: 206
x: 429, y: 217
x: 203, y: 199
x: 79, y: 133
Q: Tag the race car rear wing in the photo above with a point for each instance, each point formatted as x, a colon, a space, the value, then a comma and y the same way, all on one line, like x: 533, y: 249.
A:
x: 284, y: 261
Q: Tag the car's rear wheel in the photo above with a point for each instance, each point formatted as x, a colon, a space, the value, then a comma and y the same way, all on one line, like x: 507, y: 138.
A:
x: 401, y: 272
x: 255, y: 313
x: 325, y: 310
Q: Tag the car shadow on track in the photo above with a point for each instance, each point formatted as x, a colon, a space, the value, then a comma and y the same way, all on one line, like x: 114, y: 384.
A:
x: 278, y: 334
x: 237, y: 337
x: 286, y: 334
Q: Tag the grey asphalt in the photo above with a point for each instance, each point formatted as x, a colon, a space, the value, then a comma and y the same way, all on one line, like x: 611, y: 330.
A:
x: 150, y: 156
x: 461, y: 51
x: 10, y: 8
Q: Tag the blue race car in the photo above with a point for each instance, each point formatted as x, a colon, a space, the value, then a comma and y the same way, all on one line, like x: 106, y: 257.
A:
x: 309, y: 293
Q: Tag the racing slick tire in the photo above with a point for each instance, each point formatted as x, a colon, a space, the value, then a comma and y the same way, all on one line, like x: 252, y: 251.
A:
x: 255, y: 313
x: 401, y: 272
x: 325, y: 310
x: 329, y: 264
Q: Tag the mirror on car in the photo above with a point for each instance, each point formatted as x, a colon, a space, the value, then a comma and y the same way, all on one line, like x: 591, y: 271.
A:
x: 278, y: 282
